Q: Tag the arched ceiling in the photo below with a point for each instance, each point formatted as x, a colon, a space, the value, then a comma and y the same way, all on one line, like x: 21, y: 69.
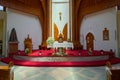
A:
x: 35, y: 7
x: 40, y: 8
x: 91, y: 6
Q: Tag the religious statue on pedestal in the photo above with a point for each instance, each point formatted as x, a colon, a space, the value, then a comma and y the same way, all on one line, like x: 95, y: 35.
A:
x: 13, y: 36
x: 13, y: 42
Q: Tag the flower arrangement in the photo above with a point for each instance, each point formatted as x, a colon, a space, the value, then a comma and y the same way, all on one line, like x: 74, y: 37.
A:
x: 27, y: 51
x: 60, y: 52
x: 50, y: 41
x: 90, y: 51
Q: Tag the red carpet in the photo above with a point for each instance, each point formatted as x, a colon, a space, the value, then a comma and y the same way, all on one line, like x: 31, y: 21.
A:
x: 47, y: 53
x: 74, y: 53
x: 60, y: 64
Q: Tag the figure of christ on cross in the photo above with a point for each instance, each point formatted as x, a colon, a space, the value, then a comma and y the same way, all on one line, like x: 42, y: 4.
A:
x: 60, y: 15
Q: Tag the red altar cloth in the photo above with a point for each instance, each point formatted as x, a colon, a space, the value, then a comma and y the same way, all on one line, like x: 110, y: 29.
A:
x: 47, y: 53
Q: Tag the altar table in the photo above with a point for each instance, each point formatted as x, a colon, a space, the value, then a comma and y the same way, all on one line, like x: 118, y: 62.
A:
x: 65, y: 44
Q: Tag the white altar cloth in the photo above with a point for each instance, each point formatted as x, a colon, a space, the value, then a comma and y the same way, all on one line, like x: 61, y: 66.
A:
x: 65, y: 44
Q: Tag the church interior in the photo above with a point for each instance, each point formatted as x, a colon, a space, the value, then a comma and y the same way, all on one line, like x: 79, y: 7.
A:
x: 59, y: 39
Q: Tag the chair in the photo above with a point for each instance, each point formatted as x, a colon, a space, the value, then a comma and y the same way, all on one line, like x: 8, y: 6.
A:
x: 6, y: 73
x: 108, y: 64
x: 28, y: 44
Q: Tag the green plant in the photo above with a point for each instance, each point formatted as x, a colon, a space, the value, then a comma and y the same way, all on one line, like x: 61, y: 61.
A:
x: 50, y: 41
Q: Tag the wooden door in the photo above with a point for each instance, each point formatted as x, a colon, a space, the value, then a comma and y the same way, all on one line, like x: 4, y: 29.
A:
x: 90, y: 41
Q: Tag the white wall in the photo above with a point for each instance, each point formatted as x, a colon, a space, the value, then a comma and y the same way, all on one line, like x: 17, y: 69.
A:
x: 24, y: 24
x: 95, y: 23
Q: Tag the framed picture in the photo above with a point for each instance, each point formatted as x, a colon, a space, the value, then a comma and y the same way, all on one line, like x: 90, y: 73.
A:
x: 105, y: 34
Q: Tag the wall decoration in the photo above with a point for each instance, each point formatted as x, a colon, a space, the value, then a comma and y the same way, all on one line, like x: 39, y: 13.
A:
x: 105, y: 34
x: 63, y: 32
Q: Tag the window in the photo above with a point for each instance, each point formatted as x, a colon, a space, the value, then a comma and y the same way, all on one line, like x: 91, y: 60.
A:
x: 2, y: 8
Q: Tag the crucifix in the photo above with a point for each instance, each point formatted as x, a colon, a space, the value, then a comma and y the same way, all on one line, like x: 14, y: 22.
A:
x: 60, y: 15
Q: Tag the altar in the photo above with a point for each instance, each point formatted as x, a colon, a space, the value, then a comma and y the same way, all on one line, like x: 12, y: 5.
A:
x: 64, y: 44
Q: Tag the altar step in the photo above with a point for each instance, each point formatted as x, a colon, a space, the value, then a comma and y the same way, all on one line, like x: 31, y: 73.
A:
x: 60, y: 64
x: 62, y: 58
x: 73, y: 58
x: 71, y: 55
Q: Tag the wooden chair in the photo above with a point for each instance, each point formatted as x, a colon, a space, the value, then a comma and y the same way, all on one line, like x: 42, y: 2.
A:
x: 28, y: 44
x: 108, y: 64
x: 5, y: 72
x: 112, y: 73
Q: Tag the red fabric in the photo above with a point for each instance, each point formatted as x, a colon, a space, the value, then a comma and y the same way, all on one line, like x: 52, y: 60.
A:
x: 76, y: 53
x: 48, y: 53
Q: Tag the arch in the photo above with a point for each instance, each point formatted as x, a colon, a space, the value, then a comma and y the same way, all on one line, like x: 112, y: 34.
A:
x: 89, y: 41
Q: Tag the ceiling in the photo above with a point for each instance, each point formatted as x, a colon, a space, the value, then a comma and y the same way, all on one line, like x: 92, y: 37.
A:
x: 41, y: 8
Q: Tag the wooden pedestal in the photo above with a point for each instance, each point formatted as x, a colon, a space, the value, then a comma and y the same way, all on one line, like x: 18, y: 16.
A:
x: 13, y: 47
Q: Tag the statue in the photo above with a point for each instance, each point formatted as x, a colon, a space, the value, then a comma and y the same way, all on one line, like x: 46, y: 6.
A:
x: 28, y: 45
x: 13, y: 36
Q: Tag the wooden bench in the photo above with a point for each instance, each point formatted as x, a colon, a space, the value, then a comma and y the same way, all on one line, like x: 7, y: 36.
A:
x: 5, y: 72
